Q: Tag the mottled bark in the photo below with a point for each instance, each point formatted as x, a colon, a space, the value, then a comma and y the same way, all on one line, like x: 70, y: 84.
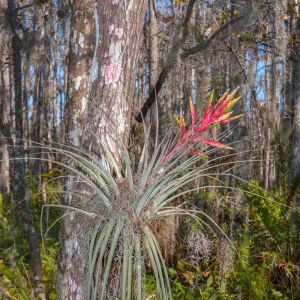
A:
x: 113, y: 71
x: 17, y: 165
x: 4, y: 109
x: 202, y: 61
x: 295, y: 134
x: 294, y: 176
x: 203, y: 79
x: 26, y: 93
x: 104, y: 49
x: 70, y: 267
x: 237, y: 78
x: 4, y: 130
x: 153, y: 64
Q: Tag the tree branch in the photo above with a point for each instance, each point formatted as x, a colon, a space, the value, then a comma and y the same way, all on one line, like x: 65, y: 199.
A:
x: 179, y: 40
x: 205, y: 44
x: 24, y: 6
x: 173, y: 53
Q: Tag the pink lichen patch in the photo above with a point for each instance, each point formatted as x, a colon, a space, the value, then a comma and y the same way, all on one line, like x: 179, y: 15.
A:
x: 119, y: 32
x: 112, y: 72
x: 78, y: 297
x: 79, y: 294
x: 111, y: 28
x: 72, y: 285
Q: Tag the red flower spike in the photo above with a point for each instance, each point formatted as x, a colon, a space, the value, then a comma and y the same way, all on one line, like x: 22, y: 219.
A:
x: 235, y: 117
x: 181, y: 123
x: 232, y: 103
x: 220, y: 113
x: 216, y: 144
x: 177, y: 119
x: 222, y: 103
x: 193, y: 151
x: 193, y: 113
x: 208, y: 105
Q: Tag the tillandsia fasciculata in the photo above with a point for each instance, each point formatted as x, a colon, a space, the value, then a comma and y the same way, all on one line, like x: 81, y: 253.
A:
x: 123, y: 203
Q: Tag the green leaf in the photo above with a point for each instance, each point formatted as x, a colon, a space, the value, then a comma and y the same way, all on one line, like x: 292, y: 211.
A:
x: 209, y: 281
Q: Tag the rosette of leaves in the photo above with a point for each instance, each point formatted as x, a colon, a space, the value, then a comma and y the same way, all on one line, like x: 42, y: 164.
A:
x: 124, y: 203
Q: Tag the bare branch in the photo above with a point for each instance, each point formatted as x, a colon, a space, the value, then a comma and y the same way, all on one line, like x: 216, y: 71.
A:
x: 173, y: 53
x: 179, y: 40
x: 24, y: 6
x: 205, y: 44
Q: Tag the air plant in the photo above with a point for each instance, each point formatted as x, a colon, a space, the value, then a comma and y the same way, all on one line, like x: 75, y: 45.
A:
x: 220, y: 113
x: 123, y: 204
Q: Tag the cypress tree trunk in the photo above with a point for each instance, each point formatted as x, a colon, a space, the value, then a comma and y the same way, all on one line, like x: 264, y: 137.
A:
x: 17, y: 165
x: 104, y: 49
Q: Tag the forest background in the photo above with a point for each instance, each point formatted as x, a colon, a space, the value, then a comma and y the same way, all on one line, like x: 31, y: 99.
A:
x: 123, y: 68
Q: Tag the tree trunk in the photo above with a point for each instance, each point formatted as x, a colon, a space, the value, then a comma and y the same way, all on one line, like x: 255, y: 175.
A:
x: 80, y: 56
x: 294, y: 176
x: 114, y: 72
x: 4, y: 111
x: 101, y: 90
x: 17, y: 165
x: 153, y: 45
x: 295, y: 134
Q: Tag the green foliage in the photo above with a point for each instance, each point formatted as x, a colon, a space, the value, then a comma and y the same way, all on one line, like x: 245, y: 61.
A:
x: 15, y: 272
x: 269, y: 210
x: 250, y: 279
x: 50, y: 187
x: 179, y: 284
x: 16, y: 276
x: 14, y: 283
x: 191, y: 283
x: 265, y: 269
x: 49, y: 264
x: 262, y: 268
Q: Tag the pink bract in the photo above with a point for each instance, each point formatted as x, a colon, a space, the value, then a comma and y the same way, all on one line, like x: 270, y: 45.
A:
x: 220, y: 113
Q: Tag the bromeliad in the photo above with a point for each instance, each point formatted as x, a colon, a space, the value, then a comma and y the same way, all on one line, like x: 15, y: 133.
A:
x: 123, y: 204
x: 220, y: 113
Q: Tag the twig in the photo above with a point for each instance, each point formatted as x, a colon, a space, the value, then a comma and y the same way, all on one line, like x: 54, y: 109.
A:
x: 179, y: 40
x: 172, y: 55
x: 24, y: 6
